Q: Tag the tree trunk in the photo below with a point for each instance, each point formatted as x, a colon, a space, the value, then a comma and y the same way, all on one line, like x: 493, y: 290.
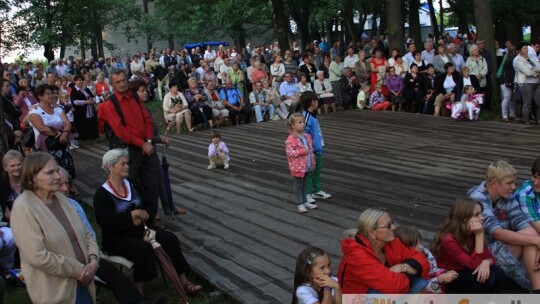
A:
x: 97, y: 33
x: 299, y: 16
x: 171, y: 42
x: 514, y: 30
x: 93, y: 46
x: 63, y: 28
x: 415, y: 31
x: 281, y: 23
x: 48, y: 47
x: 441, y: 17
x: 83, y: 47
x: 484, y: 29
x: 433, y: 18
x: 394, y: 25
x: 374, y: 25
x: 535, y: 29
x: 349, y: 22
x: 148, y: 38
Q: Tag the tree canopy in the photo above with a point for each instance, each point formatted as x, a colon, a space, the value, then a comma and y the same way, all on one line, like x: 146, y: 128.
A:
x: 57, y: 24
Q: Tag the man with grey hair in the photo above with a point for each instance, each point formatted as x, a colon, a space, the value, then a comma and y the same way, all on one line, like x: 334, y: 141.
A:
x: 458, y: 60
x: 428, y: 53
x: 51, y: 68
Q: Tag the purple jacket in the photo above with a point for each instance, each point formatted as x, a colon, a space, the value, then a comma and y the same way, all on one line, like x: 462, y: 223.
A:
x: 395, y: 83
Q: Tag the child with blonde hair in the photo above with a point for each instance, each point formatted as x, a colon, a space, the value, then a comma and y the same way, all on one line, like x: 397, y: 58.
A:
x: 299, y: 149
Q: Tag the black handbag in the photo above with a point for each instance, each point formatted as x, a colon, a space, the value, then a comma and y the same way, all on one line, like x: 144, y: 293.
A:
x: 28, y: 139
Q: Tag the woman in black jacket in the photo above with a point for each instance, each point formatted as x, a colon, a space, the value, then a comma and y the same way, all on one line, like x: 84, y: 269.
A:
x: 466, y: 79
x: 447, y: 87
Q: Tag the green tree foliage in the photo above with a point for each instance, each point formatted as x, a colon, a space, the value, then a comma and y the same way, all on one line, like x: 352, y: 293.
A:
x: 56, y: 23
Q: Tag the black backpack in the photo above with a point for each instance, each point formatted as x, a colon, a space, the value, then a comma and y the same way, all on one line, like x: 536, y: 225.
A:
x: 114, y: 140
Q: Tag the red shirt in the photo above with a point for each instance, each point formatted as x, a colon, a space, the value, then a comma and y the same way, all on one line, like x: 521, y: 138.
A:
x: 454, y: 257
x: 138, y: 122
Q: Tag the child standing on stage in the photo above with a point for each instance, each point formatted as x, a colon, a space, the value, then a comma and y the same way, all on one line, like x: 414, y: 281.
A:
x: 299, y: 149
x: 310, y: 104
x: 313, y: 282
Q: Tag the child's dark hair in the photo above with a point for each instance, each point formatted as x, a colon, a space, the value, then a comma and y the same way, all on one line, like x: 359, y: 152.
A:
x: 409, y: 236
x: 215, y: 134
x: 307, y: 98
x: 304, y: 265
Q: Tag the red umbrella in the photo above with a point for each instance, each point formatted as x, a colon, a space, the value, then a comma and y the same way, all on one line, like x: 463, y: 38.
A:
x: 165, y: 262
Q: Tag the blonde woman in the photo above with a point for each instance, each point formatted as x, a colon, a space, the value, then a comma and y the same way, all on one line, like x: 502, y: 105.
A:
x: 477, y: 66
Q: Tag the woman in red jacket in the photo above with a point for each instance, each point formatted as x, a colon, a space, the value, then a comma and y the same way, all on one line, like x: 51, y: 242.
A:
x: 375, y: 261
x: 459, y: 245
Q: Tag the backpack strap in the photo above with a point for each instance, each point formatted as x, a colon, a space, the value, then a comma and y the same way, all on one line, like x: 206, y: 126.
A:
x: 118, y: 109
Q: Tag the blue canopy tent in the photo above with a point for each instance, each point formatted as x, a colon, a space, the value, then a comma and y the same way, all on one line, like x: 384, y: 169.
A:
x: 190, y: 46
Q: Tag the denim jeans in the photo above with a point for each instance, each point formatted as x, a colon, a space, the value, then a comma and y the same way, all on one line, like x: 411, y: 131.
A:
x: 261, y: 110
x: 416, y: 287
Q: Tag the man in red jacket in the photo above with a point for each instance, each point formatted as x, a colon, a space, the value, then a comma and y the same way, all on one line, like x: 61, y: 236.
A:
x: 132, y: 125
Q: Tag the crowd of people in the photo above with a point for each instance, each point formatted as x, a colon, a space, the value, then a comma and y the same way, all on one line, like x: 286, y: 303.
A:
x: 51, y: 111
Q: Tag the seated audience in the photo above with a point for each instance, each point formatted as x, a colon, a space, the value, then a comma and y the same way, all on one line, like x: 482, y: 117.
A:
x: 511, y: 239
x: 348, y: 84
x: 447, y: 88
x: 304, y: 85
x: 121, y: 214
x: 196, y: 99
x: 175, y: 109
x: 280, y: 107
x: 288, y: 91
x: 323, y: 89
x: 377, y: 102
x: 460, y: 245
x: 395, y: 86
x: 234, y: 102
x: 218, y: 107
x: 122, y: 288
x: 260, y: 102
x: 375, y: 261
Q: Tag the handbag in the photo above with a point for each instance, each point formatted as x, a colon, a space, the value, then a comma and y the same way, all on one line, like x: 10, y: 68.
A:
x: 53, y: 143
x: 28, y: 139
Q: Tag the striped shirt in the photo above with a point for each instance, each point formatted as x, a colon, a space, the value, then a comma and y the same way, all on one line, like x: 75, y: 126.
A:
x: 529, y: 200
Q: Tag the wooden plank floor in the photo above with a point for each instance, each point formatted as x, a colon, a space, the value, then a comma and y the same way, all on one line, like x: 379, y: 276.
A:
x: 243, y: 233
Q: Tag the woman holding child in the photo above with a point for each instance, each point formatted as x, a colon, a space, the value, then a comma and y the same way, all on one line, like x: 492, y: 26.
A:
x: 375, y: 261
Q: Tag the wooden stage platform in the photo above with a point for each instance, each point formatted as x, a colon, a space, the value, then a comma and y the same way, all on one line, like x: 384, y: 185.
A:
x: 242, y: 232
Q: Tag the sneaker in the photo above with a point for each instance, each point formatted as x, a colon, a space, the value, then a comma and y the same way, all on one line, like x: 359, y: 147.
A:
x: 74, y: 146
x: 302, y: 209
x: 321, y: 194
x: 210, y: 167
x: 309, y: 199
x: 226, y: 166
x: 310, y: 206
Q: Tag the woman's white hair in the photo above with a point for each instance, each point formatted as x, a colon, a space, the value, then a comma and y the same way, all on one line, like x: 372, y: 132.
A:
x: 112, y: 157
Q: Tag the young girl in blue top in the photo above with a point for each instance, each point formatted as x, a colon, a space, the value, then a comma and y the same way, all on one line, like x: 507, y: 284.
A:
x: 310, y: 103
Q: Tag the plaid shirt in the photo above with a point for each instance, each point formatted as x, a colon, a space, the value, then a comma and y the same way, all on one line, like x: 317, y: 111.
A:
x: 505, y: 213
x: 529, y: 201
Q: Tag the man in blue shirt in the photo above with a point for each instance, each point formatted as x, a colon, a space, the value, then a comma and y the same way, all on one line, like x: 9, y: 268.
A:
x: 288, y: 91
x: 234, y: 102
x: 324, y: 45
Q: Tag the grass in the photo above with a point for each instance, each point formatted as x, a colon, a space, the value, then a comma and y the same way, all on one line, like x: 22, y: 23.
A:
x: 153, y: 289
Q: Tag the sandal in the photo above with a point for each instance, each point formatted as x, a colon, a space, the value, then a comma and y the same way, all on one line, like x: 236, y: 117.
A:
x: 180, y: 211
x: 191, y: 288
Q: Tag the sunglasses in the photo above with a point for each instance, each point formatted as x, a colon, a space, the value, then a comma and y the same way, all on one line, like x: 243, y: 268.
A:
x: 387, y: 226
